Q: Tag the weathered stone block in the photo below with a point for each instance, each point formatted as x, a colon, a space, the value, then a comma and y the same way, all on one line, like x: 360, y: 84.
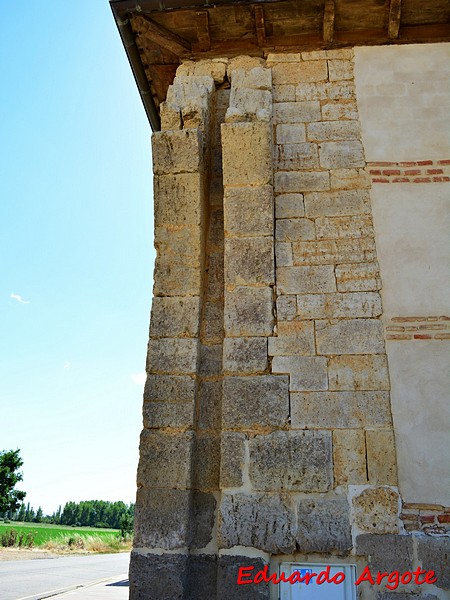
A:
x: 201, y: 577
x: 349, y: 179
x: 283, y: 93
x: 338, y: 155
x: 386, y: 553
x: 178, y: 199
x: 292, y: 157
x: 358, y: 277
x: 314, y: 55
x: 307, y: 373
x: 248, y: 211
x: 340, y: 410
x: 340, y: 69
x: 301, y: 181
x: 296, y: 72
x: 173, y: 317
x: 155, y: 577
x: 323, y: 525
x: 203, y: 506
x: 251, y: 142
x: 210, y: 361
x: 358, y: 372
x: 176, y: 280
x: 177, y: 151
x: 304, y: 280
x: 206, y: 469
x: 286, y: 308
x: 296, y: 112
x: 259, y: 521
x: 324, y: 252
x: 337, y: 110
x: 256, y: 78
x: 179, y: 246
x: 212, y: 322
x: 330, y: 306
x: 169, y: 388
x: 351, y: 336
x: 253, y: 402
x: 289, y: 206
x: 249, y: 312
x: 283, y: 254
x: 291, y: 461
x: 244, y: 62
x: 434, y: 553
x: 341, y: 90
x: 215, y: 278
x: 249, y: 261
x: 247, y: 104
x: 168, y: 414
x: 334, y: 204
x: 216, y: 234
x: 245, y: 355
x: 170, y: 117
x: 293, y: 230
x: 327, y: 131
x: 376, y: 510
x: 381, y: 457
x: 278, y: 57
x: 340, y: 54
x: 311, y: 91
x: 227, y: 577
x: 215, y: 68
x: 344, y: 227
x: 172, y: 355
x: 349, y: 457
x: 232, y: 459
x: 209, y: 402
x: 294, y: 337
x: 291, y: 134
x: 165, y: 460
x: 394, y: 596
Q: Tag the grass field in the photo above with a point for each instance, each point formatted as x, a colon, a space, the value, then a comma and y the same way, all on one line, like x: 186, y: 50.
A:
x: 45, y: 533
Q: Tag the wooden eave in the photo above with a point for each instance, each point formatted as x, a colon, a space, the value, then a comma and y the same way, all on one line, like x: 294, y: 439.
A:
x: 159, y: 34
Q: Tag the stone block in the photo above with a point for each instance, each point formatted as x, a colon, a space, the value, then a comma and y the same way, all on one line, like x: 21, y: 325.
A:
x: 340, y: 410
x: 275, y: 57
x: 215, y: 68
x: 311, y: 91
x: 293, y: 337
x: 155, y: 526
x: 344, y: 227
x: 247, y: 104
x: 341, y: 155
x: 232, y: 459
x: 299, y: 181
x: 358, y: 372
x: 336, y: 110
x: 349, y: 179
x: 286, y: 308
x: 326, y: 252
x: 394, y: 596
x: 177, y: 152
x: 340, y: 54
x: 434, y: 553
x: 283, y: 254
x: 304, y: 280
x: 256, y: 78
x: 210, y: 360
x: 176, y: 280
x: 244, y: 62
x: 157, y: 577
x: 360, y: 277
x: 249, y: 312
x: 216, y: 234
x: 179, y: 246
x: 381, y: 457
x: 289, y: 206
x: 170, y: 117
x: 212, y: 323
x: 175, y: 317
x: 376, y: 510
x: 340, y: 69
x: 227, y: 576
x: 293, y: 230
x: 296, y: 461
x: 254, y: 402
x: 201, y: 577
x: 252, y: 143
x: 168, y: 414
x: 349, y: 457
x: 248, y: 211
x: 244, y: 355
x: 341, y: 90
x: 292, y: 157
x: 203, y: 507
x: 258, y: 521
x: 314, y: 55
x: 298, y: 72
x: 178, y: 199
x: 176, y: 356
x: 209, y: 403
x: 386, y: 553
x: 307, y: 373
x: 351, y: 336
x: 324, y: 525
x: 169, y: 388
x: 291, y: 134
x: 206, y: 463
x: 283, y: 93
x: 249, y: 261
x: 327, y: 131
x: 296, y: 112
x: 336, y: 204
x: 215, y: 277
x: 331, y: 306
x: 165, y: 460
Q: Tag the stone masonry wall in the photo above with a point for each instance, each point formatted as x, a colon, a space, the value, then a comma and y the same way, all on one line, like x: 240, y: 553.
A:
x: 268, y: 432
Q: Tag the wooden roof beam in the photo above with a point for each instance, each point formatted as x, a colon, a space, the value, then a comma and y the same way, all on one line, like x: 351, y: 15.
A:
x: 328, y: 22
x: 395, y: 13
x: 203, y: 31
x: 162, y: 37
x: 260, y: 26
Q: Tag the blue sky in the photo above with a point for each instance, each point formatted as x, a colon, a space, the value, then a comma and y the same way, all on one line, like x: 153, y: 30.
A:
x: 76, y: 252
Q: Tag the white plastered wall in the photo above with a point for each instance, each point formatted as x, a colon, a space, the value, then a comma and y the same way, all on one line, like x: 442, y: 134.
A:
x: 403, y: 95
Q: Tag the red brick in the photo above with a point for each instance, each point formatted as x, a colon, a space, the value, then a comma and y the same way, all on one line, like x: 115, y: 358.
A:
x: 422, y: 337
x: 441, y: 178
x: 400, y: 180
x: 443, y: 162
x: 382, y: 164
x: 407, y: 164
x: 442, y: 336
x: 424, y: 162
x: 422, y: 180
x: 444, y: 318
x: 444, y: 518
x: 434, y: 171
x: 391, y: 172
x: 375, y: 172
x: 427, y: 518
x: 380, y: 180
x: 413, y: 172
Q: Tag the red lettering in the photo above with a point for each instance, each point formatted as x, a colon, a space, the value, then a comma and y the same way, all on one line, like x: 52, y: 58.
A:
x: 428, y: 575
x: 380, y: 577
x: 260, y: 576
x: 417, y: 573
x: 407, y: 574
x: 307, y: 577
x: 294, y: 577
x: 323, y: 576
x: 241, y: 574
x: 394, y: 579
x: 365, y: 576
x: 338, y: 576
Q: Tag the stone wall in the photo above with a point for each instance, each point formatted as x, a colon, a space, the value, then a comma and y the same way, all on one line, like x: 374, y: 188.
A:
x: 268, y: 432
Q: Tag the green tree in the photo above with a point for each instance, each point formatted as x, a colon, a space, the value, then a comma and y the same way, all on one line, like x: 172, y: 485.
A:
x: 21, y: 513
x: 10, y: 463
x: 39, y: 515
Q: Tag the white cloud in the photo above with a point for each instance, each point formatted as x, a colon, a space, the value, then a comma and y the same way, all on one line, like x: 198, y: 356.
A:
x: 67, y: 364
x: 139, y: 378
x: 19, y: 299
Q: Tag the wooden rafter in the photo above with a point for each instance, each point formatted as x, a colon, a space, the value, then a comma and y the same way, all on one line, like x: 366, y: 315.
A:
x: 395, y: 12
x: 260, y: 26
x: 328, y: 22
x: 162, y: 37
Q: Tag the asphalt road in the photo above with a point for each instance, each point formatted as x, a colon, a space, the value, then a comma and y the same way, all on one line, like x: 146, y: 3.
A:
x: 34, y: 578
